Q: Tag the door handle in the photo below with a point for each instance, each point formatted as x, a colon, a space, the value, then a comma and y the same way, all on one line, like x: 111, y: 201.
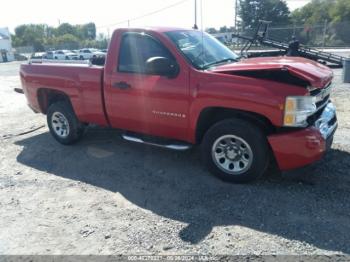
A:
x: 122, y: 85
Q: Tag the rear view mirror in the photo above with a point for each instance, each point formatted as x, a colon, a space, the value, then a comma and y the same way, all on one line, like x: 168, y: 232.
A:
x: 162, y: 66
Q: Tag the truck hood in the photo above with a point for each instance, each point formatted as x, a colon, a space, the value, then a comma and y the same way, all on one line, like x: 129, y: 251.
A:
x: 315, y: 73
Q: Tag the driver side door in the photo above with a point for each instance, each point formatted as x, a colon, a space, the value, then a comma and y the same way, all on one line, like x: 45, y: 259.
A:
x: 147, y: 103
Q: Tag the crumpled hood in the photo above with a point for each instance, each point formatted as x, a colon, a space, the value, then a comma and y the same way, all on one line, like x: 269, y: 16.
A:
x: 316, y: 74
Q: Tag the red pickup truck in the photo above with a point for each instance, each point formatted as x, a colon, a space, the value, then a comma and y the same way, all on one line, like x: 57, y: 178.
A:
x: 176, y: 88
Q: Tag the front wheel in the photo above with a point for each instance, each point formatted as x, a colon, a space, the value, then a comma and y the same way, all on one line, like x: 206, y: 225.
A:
x: 236, y: 151
x: 63, y: 124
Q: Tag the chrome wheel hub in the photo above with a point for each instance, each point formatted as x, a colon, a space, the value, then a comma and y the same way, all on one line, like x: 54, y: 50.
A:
x: 60, y: 124
x: 232, y: 154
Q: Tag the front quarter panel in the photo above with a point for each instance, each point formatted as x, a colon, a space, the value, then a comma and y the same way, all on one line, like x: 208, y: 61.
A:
x: 263, y: 97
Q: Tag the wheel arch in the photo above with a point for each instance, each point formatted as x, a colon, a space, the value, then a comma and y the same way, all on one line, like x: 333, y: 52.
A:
x: 47, y: 97
x: 212, y: 115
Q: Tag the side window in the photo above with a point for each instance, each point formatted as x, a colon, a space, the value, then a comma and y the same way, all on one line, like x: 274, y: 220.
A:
x: 136, y: 49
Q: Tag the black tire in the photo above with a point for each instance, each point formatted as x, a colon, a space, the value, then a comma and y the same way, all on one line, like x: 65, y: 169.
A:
x: 249, y: 134
x: 76, y: 128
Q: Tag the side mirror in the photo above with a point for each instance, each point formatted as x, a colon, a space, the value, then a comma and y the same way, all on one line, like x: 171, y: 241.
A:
x: 162, y: 66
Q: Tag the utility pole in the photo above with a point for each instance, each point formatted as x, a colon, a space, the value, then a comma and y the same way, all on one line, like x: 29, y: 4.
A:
x: 195, y: 15
x: 325, y: 33
x: 236, y: 13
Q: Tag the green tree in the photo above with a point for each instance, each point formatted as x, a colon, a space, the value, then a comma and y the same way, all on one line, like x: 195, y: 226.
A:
x: 340, y: 11
x: 30, y: 35
x: 211, y: 30
x: 65, y: 36
x: 65, y: 29
x: 89, y: 31
x: 317, y: 13
x: 340, y: 15
x: 251, y: 11
x: 223, y: 29
x: 101, y: 41
x: 68, y: 40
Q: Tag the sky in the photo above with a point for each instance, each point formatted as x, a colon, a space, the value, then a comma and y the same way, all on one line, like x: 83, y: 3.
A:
x: 110, y: 14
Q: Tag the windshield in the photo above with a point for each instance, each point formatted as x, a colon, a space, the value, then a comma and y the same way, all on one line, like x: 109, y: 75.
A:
x: 201, y: 49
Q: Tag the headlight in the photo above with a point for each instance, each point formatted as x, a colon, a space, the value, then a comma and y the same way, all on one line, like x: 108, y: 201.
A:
x: 297, y: 109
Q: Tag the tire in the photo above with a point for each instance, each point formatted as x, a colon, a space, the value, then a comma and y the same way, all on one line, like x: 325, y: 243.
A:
x: 63, y: 124
x: 236, y: 151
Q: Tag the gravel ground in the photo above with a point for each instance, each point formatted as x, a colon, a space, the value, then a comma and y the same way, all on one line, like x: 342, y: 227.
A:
x: 108, y: 196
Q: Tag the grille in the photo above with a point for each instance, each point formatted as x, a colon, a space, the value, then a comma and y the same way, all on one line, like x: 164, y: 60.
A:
x: 322, y: 96
x: 322, y: 99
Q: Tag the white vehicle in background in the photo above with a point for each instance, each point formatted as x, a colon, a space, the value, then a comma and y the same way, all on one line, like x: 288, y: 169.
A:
x: 49, y: 55
x: 65, y: 55
x: 88, y: 53
x: 37, y: 55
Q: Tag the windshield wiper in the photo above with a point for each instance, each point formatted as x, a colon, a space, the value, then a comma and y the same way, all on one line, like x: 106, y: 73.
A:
x: 220, y: 62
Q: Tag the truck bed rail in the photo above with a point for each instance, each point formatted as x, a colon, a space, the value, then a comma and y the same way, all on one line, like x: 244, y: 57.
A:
x: 50, y: 61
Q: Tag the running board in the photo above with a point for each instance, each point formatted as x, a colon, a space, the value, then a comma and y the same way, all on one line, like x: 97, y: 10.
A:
x: 178, y: 146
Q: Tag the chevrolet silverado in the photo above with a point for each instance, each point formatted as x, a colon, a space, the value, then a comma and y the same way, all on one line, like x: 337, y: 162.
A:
x: 176, y: 88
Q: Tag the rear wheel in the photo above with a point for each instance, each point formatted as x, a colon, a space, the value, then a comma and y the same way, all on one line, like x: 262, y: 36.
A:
x: 63, y: 124
x: 235, y: 151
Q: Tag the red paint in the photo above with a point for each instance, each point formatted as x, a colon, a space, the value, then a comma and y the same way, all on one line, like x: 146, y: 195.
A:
x: 316, y: 74
x: 297, y: 149
x: 138, y: 108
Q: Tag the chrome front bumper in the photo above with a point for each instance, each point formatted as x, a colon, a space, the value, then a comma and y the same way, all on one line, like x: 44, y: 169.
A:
x: 327, y: 122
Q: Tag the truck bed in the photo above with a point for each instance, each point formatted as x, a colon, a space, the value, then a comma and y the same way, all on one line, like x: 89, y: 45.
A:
x: 82, y: 83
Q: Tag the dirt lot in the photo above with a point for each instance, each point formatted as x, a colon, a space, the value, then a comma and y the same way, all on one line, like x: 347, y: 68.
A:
x: 108, y: 196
